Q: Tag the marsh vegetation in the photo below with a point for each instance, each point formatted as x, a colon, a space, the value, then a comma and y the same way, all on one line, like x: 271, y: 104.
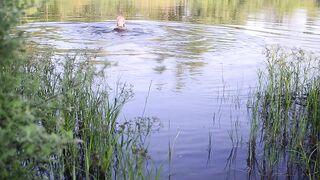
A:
x: 61, y: 119
x: 285, y: 124
x: 59, y: 122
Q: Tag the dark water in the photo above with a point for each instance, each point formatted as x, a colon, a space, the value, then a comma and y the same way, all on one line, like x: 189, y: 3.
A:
x: 200, y: 59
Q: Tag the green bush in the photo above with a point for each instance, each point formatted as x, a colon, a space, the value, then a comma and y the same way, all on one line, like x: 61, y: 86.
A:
x: 25, y: 146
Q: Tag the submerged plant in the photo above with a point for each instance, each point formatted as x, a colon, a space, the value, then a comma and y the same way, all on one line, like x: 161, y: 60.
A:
x: 285, y: 114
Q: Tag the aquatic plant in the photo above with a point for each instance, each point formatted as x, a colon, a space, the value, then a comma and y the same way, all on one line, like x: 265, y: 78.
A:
x: 58, y: 117
x: 170, y: 153
x: 285, y: 115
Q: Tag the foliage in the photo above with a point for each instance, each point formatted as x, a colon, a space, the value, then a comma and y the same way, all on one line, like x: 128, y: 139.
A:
x: 24, y: 144
x: 57, y: 118
x: 286, y: 115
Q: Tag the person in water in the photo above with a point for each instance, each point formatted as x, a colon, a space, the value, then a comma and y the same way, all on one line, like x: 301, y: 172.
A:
x: 120, y: 24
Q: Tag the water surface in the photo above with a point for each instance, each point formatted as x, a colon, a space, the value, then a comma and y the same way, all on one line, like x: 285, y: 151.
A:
x: 200, y: 59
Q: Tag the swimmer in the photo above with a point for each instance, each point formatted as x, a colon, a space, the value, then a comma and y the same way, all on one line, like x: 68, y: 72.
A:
x: 120, y: 24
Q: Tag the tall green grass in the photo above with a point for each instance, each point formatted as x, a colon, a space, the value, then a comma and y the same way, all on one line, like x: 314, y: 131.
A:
x: 58, y: 117
x: 68, y: 98
x: 285, y: 116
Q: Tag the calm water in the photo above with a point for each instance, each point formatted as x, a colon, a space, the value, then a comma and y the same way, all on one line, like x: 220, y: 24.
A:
x: 200, y: 59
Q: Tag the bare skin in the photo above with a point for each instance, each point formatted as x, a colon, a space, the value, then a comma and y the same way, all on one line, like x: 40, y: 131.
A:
x: 120, y: 24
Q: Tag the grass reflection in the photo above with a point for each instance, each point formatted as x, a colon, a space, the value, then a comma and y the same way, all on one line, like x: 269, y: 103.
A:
x: 200, y: 11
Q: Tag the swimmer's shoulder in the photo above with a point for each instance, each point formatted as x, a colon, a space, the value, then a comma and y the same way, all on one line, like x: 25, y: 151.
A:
x: 119, y: 29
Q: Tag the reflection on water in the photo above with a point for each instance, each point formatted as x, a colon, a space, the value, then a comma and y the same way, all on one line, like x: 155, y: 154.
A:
x: 204, y: 11
x: 200, y: 74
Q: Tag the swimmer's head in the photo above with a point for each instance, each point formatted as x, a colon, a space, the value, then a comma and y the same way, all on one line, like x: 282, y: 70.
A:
x: 121, y: 22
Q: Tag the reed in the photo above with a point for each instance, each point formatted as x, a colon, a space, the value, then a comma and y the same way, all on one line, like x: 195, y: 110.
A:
x: 170, y: 154
x: 103, y: 146
x: 80, y: 128
x: 285, y: 115
x: 58, y: 117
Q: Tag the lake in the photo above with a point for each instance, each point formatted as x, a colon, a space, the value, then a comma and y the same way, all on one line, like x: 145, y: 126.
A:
x: 192, y: 64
